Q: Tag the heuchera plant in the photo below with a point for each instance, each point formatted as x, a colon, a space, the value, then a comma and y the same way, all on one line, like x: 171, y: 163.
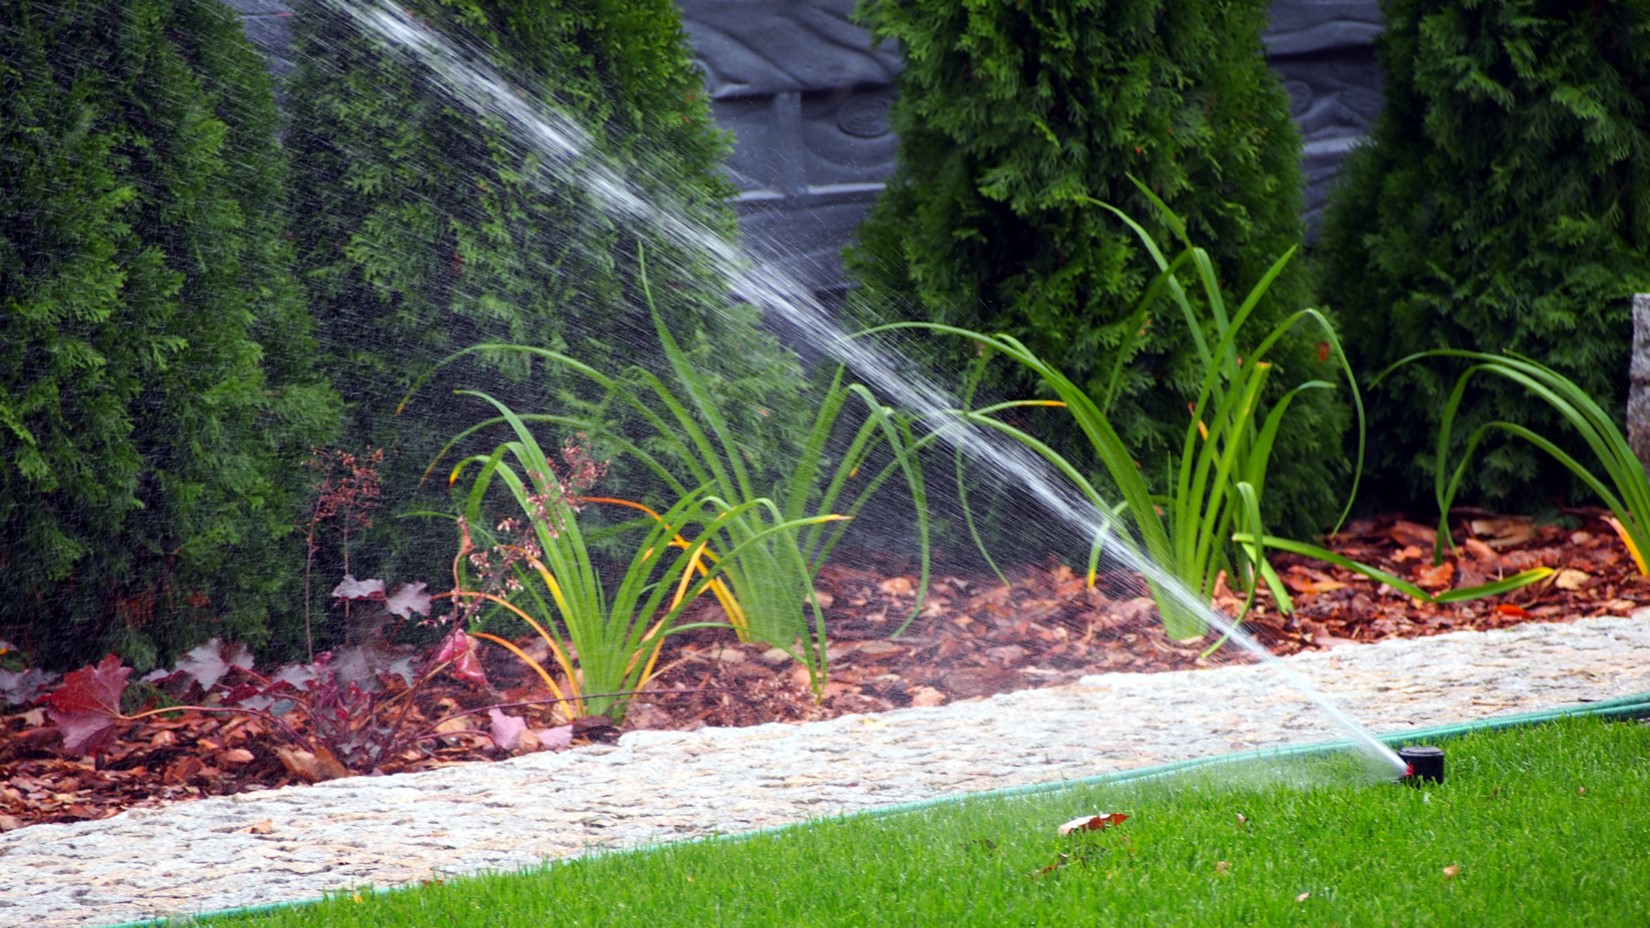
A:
x: 357, y: 701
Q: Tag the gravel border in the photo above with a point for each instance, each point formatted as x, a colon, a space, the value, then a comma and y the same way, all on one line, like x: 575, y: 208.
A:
x: 301, y: 842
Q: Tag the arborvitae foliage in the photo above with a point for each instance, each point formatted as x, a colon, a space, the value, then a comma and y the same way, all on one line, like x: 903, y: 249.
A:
x: 1503, y: 204
x: 1008, y: 114
x: 157, y: 392
x: 424, y: 229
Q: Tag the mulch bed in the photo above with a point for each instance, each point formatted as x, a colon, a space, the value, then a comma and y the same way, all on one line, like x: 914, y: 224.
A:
x: 973, y: 637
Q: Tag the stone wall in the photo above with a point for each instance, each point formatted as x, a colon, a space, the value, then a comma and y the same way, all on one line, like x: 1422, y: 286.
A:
x: 806, y: 95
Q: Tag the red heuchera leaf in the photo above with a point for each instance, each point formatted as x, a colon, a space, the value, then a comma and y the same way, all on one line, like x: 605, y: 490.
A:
x: 506, y: 730
x: 1093, y: 822
x: 460, y: 648
x: 298, y: 676
x: 364, y: 663
x: 208, y: 663
x: 352, y: 588
x: 21, y: 687
x: 407, y: 599
x: 87, y: 706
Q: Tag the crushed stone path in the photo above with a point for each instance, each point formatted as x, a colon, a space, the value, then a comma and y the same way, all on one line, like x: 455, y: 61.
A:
x: 299, y: 843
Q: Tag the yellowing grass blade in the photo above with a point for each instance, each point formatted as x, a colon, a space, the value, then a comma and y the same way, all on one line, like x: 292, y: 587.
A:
x: 1626, y: 539
x: 575, y: 706
x: 724, y: 595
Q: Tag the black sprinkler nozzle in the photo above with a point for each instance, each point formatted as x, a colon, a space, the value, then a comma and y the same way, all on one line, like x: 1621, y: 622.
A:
x: 1426, y: 764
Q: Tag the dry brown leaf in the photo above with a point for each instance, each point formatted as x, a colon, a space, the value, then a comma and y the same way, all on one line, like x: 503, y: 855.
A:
x: 897, y: 586
x: 1099, y: 822
x: 1481, y: 551
x: 926, y: 696
x: 1501, y: 532
x: 1452, y: 871
x: 1406, y: 532
x: 183, y: 769
x: 454, y: 726
x: 1570, y: 579
x: 1406, y: 553
x: 236, y: 756
x: 311, y: 767
x: 1428, y: 577
x: 1222, y: 866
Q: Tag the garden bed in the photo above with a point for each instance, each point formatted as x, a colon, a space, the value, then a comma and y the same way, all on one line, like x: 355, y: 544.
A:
x: 973, y: 638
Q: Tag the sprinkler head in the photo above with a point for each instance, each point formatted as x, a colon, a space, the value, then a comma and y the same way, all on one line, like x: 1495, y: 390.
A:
x: 1426, y: 764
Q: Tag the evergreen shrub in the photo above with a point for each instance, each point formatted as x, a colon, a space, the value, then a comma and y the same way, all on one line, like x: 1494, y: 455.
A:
x: 1502, y: 204
x: 156, y: 387
x: 424, y: 230
x: 1008, y: 116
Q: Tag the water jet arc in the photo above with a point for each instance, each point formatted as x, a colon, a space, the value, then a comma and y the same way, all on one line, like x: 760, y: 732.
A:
x: 568, y: 158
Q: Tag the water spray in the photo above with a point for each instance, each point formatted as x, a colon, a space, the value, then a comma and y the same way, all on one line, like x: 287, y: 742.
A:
x: 566, y: 146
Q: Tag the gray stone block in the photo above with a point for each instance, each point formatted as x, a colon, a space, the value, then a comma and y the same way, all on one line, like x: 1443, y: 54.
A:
x: 805, y: 91
x: 1638, y: 373
x: 1313, y: 26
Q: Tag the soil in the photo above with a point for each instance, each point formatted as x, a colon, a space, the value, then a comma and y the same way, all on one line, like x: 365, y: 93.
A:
x: 972, y: 637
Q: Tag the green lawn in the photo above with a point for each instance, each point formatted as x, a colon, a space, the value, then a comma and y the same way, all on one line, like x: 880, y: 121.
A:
x: 1546, y: 825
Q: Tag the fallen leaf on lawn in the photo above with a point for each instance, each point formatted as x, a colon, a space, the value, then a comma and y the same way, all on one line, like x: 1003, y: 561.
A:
x: 1093, y: 822
x: 1451, y: 871
x: 1060, y: 860
x: 1222, y: 866
x: 1570, y: 579
x: 1242, y: 819
x: 1303, y: 897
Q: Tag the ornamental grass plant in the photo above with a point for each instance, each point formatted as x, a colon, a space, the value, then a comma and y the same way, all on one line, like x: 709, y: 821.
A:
x: 1625, y: 489
x: 1217, y: 484
x: 755, y: 550
x: 604, y: 625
